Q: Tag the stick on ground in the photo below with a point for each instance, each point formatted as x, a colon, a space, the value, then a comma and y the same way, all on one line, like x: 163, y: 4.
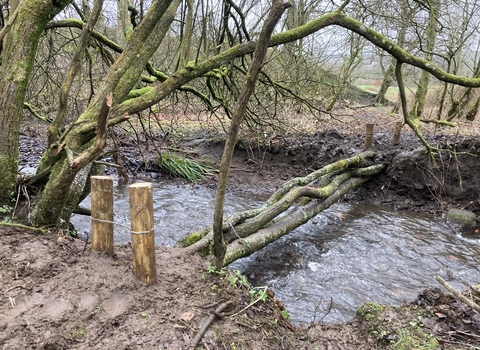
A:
x: 207, y: 324
x: 457, y: 294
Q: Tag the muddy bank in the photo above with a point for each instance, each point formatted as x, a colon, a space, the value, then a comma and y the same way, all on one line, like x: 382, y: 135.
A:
x: 57, y: 294
x: 413, y: 179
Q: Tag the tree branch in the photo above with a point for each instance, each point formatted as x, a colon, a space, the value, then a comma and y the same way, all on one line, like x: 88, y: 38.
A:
x: 52, y: 132
x: 457, y: 294
x: 93, y: 151
x: 9, y: 23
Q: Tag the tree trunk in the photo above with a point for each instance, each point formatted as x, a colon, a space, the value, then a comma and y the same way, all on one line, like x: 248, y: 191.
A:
x: 464, y: 106
x: 389, y: 77
x: 17, y: 61
x: 473, y: 111
x: 248, y: 231
x: 276, y: 12
x: 122, y: 77
x: 387, y: 81
x: 418, y: 104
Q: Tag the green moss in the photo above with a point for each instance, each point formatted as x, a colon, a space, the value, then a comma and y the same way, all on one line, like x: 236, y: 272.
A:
x: 8, y: 178
x: 193, y: 238
x: 398, y: 328
x: 207, y: 250
x: 371, y: 312
x: 408, y: 338
x: 138, y: 92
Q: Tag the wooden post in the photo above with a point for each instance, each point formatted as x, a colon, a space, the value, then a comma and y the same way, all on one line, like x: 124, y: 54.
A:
x: 143, y: 242
x: 396, y: 135
x: 102, y: 213
x: 368, y: 136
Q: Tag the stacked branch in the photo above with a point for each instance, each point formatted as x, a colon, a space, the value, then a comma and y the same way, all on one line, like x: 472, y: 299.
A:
x: 292, y: 205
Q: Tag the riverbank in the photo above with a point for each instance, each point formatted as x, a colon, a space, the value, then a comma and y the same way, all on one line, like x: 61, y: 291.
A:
x: 59, y: 294
x: 263, y: 162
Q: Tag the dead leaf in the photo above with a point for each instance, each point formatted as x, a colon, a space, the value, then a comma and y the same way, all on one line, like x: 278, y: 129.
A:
x: 187, y: 316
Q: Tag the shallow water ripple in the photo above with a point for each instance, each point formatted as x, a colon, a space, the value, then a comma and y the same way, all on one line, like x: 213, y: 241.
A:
x: 347, y: 255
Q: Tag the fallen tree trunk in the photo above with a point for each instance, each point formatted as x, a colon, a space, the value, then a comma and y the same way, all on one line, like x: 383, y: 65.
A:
x: 246, y: 246
x: 251, y: 230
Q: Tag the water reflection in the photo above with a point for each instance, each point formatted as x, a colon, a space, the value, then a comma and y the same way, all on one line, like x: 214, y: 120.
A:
x: 348, y: 254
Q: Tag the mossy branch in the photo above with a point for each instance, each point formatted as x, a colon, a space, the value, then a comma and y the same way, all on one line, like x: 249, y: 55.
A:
x: 246, y: 246
x: 35, y: 113
x: 248, y: 223
x: 101, y: 139
x: 439, y: 122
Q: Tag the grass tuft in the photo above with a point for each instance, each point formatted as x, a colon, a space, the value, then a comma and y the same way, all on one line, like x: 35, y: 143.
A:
x: 183, y: 167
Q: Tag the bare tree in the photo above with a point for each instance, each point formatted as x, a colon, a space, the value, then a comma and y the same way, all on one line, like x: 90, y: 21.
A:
x: 140, y: 74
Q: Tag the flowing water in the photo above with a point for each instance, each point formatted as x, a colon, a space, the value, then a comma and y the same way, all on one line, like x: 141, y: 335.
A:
x: 344, y: 257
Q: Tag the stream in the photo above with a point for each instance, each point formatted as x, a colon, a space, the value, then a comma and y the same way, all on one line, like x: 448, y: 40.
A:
x: 327, y: 268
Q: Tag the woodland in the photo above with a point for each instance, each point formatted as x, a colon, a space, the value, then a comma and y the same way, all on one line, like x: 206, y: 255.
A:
x: 87, y: 67
x: 83, y: 82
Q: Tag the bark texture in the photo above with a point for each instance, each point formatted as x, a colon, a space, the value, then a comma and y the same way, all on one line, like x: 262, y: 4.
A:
x: 17, y: 60
x: 296, y: 202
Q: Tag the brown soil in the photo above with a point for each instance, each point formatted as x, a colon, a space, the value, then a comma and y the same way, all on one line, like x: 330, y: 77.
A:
x: 58, y: 294
x: 412, y: 180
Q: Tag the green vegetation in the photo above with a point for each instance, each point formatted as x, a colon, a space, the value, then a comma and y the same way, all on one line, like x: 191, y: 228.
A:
x: 212, y: 269
x: 183, y: 167
x: 5, y: 209
x: 258, y: 294
x: 79, y: 331
x: 236, y: 276
x: 407, y: 333
x: 285, y: 315
x: 371, y: 312
x: 413, y: 338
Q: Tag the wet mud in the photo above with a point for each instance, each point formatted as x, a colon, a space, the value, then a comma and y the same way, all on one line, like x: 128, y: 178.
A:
x: 57, y: 294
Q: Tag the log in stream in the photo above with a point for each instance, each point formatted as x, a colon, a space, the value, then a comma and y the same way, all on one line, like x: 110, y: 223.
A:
x: 291, y: 206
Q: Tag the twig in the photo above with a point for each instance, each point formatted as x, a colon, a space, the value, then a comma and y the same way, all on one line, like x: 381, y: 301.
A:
x: 246, y: 326
x: 251, y: 304
x: 41, y: 229
x: 439, y: 122
x: 469, y: 334
x: 328, y: 310
x: 85, y: 246
x: 457, y: 294
x: 113, y: 165
x: 19, y: 286
x: 207, y: 324
x: 211, y: 305
x: 316, y: 308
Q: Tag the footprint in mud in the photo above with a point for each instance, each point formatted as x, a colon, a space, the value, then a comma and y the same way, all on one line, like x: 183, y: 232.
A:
x: 117, y: 304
